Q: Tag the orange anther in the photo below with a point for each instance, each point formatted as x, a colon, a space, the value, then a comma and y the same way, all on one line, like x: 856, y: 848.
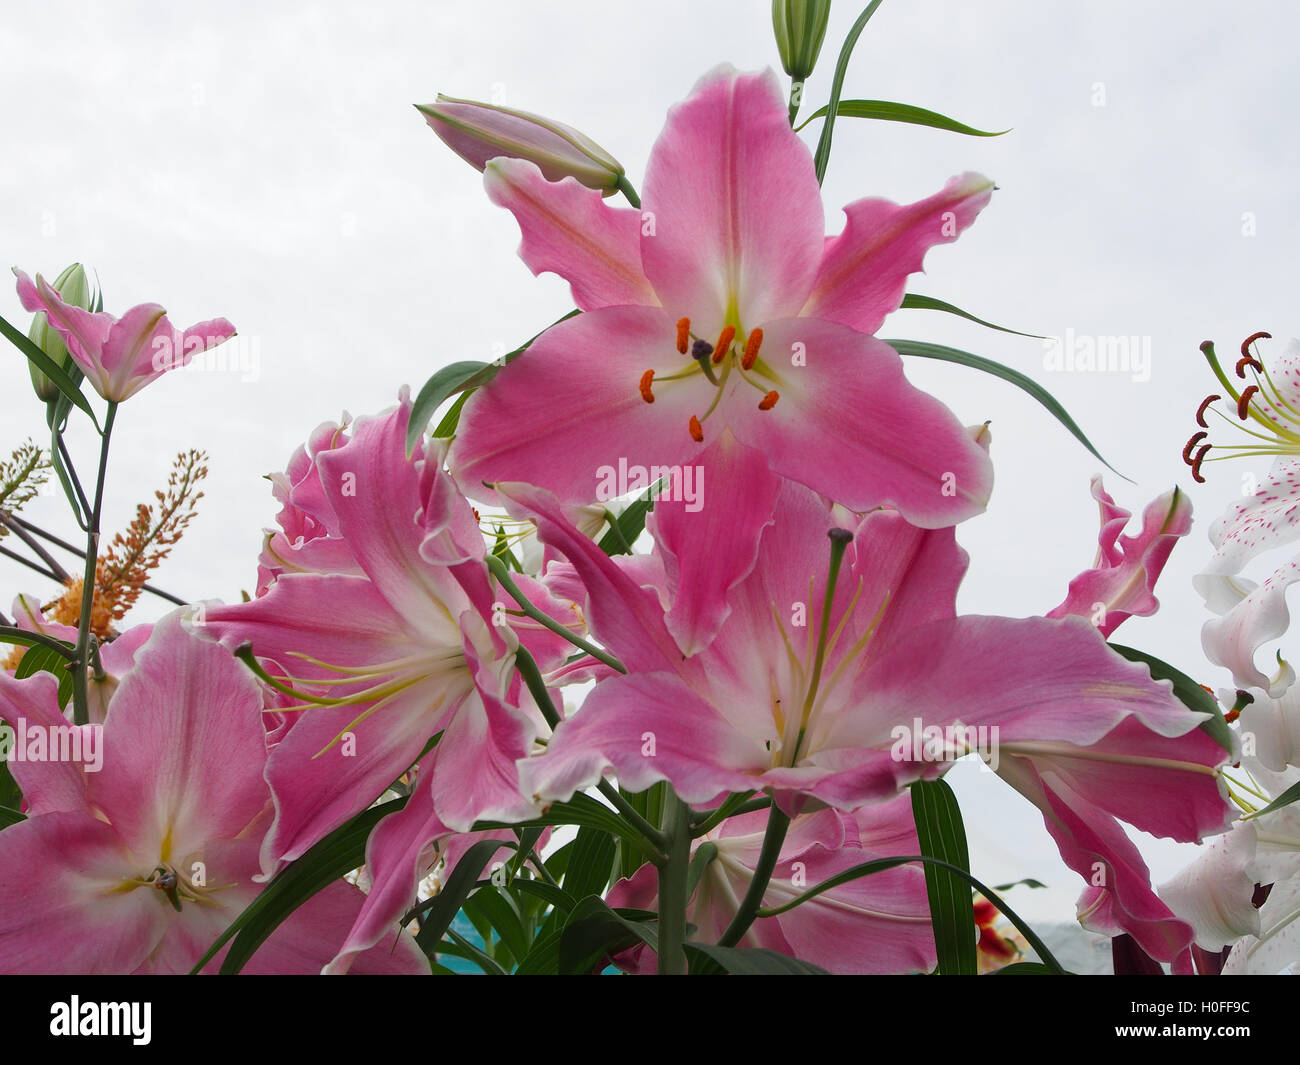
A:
x: 752, y: 343
x: 683, y: 334
x: 768, y: 401
x: 1245, y: 344
x: 1196, y: 463
x: 646, y: 379
x: 1200, y: 411
x: 1187, y: 448
x: 723, y: 345
x: 697, y: 431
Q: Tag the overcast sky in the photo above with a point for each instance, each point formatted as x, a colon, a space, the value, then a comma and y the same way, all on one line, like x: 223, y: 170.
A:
x: 263, y: 162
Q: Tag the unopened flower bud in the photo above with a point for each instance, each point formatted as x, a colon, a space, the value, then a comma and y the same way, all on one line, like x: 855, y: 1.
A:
x: 74, y: 287
x: 800, y: 27
x: 478, y: 132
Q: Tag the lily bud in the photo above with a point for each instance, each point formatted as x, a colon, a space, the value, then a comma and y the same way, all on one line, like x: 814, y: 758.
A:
x: 800, y: 27
x: 74, y: 287
x: 478, y: 132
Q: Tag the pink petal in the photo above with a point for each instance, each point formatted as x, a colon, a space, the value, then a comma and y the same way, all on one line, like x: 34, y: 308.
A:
x: 185, y: 746
x: 850, y: 426
x: 709, y: 549
x: 48, y: 786
x: 865, y: 269
x: 570, y: 230
x: 738, y: 219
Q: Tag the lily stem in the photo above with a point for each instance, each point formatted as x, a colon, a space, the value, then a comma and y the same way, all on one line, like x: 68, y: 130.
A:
x: 673, y: 877
x: 81, y: 667
x: 777, y: 826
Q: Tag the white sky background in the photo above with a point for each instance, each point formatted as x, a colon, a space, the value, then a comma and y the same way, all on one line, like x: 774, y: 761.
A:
x: 264, y: 162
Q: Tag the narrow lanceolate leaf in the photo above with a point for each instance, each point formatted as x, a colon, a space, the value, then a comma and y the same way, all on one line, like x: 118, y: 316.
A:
x: 594, y: 932
x: 822, y: 157
x: 581, y: 810
x: 590, y: 864
x: 709, y: 960
x: 339, y: 853
x: 630, y: 524
x: 922, y: 350
x: 942, y: 835
x: 1189, y: 693
x: 437, y: 914
x: 10, y: 817
x: 48, y: 367
x: 458, y: 377
x: 914, y: 302
x: 891, y: 112
x: 1292, y: 794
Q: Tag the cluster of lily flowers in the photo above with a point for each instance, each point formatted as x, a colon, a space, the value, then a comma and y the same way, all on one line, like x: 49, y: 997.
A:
x: 437, y: 619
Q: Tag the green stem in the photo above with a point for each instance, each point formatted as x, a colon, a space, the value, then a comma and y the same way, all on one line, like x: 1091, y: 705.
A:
x: 80, y: 668
x: 733, y: 807
x: 502, y: 574
x: 629, y: 193
x: 673, y: 877
x: 796, y: 98
x: 12, y: 634
x: 777, y: 826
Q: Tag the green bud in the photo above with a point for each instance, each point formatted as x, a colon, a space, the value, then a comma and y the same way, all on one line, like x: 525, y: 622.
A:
x: 74, y: 287
x: 800, y: 27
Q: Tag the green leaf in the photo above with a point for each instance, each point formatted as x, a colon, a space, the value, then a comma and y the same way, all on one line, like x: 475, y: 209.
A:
x: 630, y: 524
x: 437, y: 914
x: 544, y: 957
x: 942, y: 835
x: 922, y: 350
x: 340, y: 852
x: 1189, y: 693
x: 1292, y: 794
x: 48, y: 367
x: 590, y: 864
x: 581, y: 810
x: 709, y: 960
x: 10, y: 816
x: 632, y: 853
x: 822, y: 157
x: 1024, y: 968
x: 463, y: 948
x: 1029, y: 882
x: 594, y: 932
x: 42, y: 659
x: 557, y: 897
x: 496, y: 906
x: 458, y: 377
x: 914, y: 302
x: 892, y: 112
x: 450, y: 420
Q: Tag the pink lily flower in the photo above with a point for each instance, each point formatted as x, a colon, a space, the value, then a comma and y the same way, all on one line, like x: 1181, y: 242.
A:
x: 413, y: 646
x: 139, y: 866
x: 877, y: 924
x: 725, y: 693
x: 1121, y: 583
x: 724, y: 306
x: 119, y: 356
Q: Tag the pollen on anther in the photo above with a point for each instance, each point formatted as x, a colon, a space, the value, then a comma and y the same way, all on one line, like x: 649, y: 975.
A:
x: 752, y: 344
x: 1243, y: 404
x: 1251, y: 361
x: 1196, y: 463
x: 723, y: 346
x: 697, y: 430
x: 647, y: 379
x: 683, y: 334
x: 1200, y: 411
x: 1187, y: 448
x: 768, y: 401
x: 1245, y: 344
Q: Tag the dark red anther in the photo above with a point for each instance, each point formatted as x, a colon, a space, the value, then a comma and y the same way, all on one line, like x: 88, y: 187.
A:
x: 1187, y: 448
x: 1243, y: 403
x: 1200, y: 411
x: 1196, y: 463
x: 1245, y: 344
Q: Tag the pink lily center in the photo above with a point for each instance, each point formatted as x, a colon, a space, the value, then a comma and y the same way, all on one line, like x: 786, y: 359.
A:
x: 715, y: 362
